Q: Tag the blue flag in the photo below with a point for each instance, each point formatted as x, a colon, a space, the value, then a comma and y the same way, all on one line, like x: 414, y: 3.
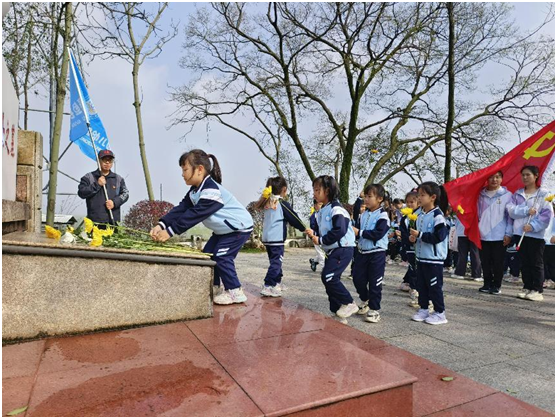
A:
x: 79, y: 133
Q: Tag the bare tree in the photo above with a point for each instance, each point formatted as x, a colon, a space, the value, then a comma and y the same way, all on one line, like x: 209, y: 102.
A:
x: 23, y: 36
x: 369, y: 70
x: 60, y: 97
x: 117, y: 35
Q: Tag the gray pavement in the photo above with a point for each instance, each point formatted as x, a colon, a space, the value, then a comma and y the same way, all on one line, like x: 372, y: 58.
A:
x: 497, y: 340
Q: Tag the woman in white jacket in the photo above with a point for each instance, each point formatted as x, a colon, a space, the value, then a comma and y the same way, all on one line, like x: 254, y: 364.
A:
x: 531, y: 214
x: 496, y: 229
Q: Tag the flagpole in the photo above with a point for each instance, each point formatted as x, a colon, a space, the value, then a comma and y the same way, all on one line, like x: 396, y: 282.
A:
x: 86, y: 113
x: 528, y: 222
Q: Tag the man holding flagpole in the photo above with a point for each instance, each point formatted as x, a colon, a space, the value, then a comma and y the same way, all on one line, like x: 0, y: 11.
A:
x: 99, y: 208
x: 104, y: 190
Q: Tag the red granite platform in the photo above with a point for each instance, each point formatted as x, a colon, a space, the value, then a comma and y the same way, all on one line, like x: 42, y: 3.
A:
x: 269, y: 357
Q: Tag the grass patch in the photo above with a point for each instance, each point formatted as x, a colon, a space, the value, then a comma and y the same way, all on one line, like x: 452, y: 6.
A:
x: 245, y: 250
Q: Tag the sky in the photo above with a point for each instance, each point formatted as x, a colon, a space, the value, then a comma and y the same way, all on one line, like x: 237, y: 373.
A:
x: 244, y: 169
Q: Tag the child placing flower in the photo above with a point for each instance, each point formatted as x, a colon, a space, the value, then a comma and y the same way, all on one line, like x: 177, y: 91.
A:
x: 208, y: 202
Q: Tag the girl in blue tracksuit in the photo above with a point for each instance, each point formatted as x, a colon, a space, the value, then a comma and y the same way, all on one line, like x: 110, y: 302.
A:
x: 371, y: 231
x: 336, y: 237
x: 430, y: 237
x: 278, y: 214
x: 410, y: 276
x: 208, y: 202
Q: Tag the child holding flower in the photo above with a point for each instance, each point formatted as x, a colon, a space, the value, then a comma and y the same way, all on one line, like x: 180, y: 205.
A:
x: 430, y: 236
x: 208, y: 202
x: 410, y: 216
x: 278, y: 214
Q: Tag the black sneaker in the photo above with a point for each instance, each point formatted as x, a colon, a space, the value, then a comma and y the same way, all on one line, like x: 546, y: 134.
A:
x: 313, y: 264
x: 495, y: 291
x: 485, y: 289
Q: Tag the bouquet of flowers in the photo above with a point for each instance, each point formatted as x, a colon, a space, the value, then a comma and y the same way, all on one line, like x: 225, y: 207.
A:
x: 409, y: 213
x: 119, y: 237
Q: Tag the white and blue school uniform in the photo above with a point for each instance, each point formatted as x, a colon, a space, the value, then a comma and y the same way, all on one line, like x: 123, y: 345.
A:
x: 369, y: 262
x: 494, y: 224
x: 410, y: 276
x: 220, y: 211
x: 532, y: 248
x: 431, y: 252
x: 275, y: 223
x: 336, y: 237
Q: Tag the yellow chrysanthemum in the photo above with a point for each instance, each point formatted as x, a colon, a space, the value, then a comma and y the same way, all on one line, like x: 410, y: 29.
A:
x: 375, y: 151
x: 550, y: 198
x: 412, y: 217
x: 460, y: 209
x: 88, y: 225
x: 267, y: 192
x: 406, y: 211
x: 103, y: 233
x: 52, y: 233
x: 97, y: 240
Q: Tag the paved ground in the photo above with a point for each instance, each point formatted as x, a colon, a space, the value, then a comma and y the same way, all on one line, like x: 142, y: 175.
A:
x: 501, y: 341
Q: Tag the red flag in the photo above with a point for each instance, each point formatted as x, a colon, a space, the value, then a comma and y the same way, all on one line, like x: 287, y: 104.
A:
x: 538, y: 150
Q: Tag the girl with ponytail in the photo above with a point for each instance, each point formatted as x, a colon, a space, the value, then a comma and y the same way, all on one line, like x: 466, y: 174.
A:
x: 208, y: 202
x: 430, y: 237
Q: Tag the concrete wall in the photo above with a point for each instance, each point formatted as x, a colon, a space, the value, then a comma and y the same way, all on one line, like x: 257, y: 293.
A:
x: 29, y: 181
x: 24, y: 214
x: 56, y: 295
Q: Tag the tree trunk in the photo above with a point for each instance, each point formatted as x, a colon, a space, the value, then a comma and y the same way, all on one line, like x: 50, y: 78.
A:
x: 60, y: 97
x: 137, y: 106
x: 27, y: 74
x: 450, y: 104
x: 346, y: 168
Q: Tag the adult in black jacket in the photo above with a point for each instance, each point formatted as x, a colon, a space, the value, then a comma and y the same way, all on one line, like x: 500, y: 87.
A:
x: 91, y: 189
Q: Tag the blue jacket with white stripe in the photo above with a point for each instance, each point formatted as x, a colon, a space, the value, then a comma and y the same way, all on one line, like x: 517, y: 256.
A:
x: 432, y: 242
x: 334, y: 227
x: 373, y: 231
x: 212, y: 205
x: 275, y: 222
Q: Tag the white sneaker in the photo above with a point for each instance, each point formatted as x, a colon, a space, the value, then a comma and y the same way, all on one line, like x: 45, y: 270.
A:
x: 346, y: 310
x: 217, y: 289
x: 455, y: 276
x: 373, y: 316
x: 414, y: 299
x: 235, y: 296
x: 479, y: 279
x: 269, y: 291
x: 436, y: 318
x: 340, y: 319
x: 534, y: 296
x: 363, y: 307
x: 404, y: 286
x: 523, y: 293
x: 421, y: 315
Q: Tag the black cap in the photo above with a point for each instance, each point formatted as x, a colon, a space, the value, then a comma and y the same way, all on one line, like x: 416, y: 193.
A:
x: 105, y: 153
